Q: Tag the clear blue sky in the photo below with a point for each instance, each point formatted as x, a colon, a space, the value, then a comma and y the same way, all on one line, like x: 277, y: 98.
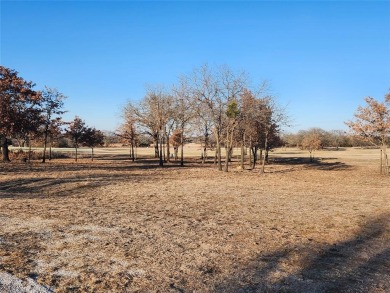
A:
x: 321, y: 57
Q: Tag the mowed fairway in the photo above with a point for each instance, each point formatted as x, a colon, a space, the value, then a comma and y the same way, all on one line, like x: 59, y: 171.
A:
x: 118, y: 226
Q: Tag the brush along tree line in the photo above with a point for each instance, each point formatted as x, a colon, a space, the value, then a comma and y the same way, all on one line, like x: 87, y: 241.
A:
x: 217, y: 105
x: 28, y: 114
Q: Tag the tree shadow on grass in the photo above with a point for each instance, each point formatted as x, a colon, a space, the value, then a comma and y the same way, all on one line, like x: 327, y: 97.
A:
x: 315, y: 163
x: 360, y: 264
x: 65, y: 179
x: 46, y: 186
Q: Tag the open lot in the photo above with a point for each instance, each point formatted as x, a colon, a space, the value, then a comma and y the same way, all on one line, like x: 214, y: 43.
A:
x: 116, y: 226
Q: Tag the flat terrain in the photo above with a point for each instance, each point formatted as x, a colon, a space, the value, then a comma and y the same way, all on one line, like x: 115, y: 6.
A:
x: 116, y: 226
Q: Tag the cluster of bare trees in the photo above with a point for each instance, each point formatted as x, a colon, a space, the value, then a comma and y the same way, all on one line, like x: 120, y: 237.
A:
x: 214, y: 102
x: 27, y: 114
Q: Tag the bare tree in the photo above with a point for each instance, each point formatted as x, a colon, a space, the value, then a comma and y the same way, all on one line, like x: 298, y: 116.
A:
x: 76, y: 132
x: 213, y: 91
x: 372, y: 123
x: 311, y: 141
x: 152, y: 115
x: 92, y: 138
x: 128, y: 134
x: 51, y: 106
x: 207, y: 94
x: 184, y: 111
x: 232, y: 85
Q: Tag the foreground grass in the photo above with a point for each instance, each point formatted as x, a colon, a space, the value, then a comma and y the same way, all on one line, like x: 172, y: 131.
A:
x: 123, y: 227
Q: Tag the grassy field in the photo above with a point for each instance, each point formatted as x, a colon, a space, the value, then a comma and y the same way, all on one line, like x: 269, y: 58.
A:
x: 116, y: 226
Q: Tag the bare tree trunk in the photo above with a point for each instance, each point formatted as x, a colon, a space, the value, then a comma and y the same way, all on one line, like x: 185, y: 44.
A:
x: 250, y: 154
x: 132, y: 151
x: 161, y: 162
x: 254, y: 152
x: 92, y: 154
x: 4, y: 148
x: 163, y: 148
x: 155, y: 143
x: 29, y: 150
x: 168, y: 149
x: 226, y: 169
x: 44, y: 148
x: 219, y: 160
x: 181, y: 148
x: 181, y: 155
x: 265, y: 149
x: 51, y: 144
x: 230, y: 153
x: 384, y: 160
x: 260, y: 157
x: 206, y: 141
x: 227, y: 151
x: 76, y: 154
x: 242, y: 156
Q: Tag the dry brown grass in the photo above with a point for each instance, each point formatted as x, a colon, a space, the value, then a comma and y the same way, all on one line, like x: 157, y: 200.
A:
x: 117, y: 226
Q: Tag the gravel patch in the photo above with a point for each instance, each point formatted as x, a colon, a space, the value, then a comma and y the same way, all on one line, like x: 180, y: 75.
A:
x: 12, y: 284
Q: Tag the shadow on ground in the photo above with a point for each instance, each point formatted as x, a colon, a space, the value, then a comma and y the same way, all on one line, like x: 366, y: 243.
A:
x: 64, y: 179
x: 315, y: 163
x: 360, y: 264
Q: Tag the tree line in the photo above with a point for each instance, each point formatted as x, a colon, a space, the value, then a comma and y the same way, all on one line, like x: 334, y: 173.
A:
x: 217, y: 107
x: 27, y: 114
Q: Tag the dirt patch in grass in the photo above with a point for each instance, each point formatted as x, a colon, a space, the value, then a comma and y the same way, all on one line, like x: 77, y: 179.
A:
x: 133, y: 227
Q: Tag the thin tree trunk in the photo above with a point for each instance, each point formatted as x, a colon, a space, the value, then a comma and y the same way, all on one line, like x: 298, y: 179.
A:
x: 51, y: 143
x: 260, y: 157
x: 219, y: 156
x: 92, y: 155
x: 5, y: 150
x: 44, y: 148
x: 385, y: 160
x: 254, y: 152
x: 250, y: 154
x: 227, y: 151
x: 163, y: 147
x: 161, y: 162
x: 182, y: 155
x: 76, y: 154
x: 29, y: 150
x: 132, y: 151
x: 168, y: 149
x: 182, y: 148
x: 156, y: 142
x: 242, y: 156
x: 226, y: 169
x: 265, y: 148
